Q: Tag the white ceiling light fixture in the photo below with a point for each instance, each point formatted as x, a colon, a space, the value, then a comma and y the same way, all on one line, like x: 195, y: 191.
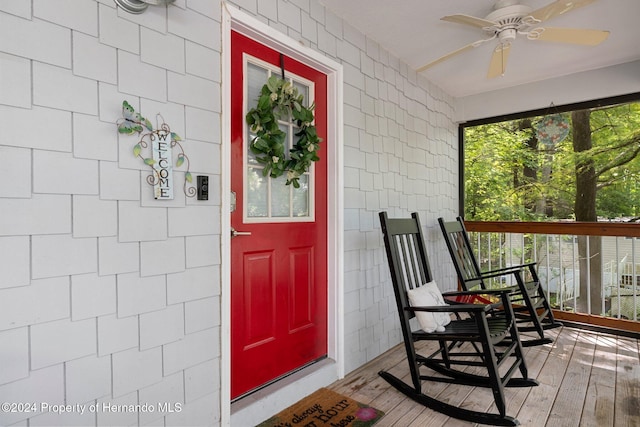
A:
x: 139, y: 6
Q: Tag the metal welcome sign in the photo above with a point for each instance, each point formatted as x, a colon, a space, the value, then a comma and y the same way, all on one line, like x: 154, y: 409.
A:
x: 162, y: 155
x: 162, y: 142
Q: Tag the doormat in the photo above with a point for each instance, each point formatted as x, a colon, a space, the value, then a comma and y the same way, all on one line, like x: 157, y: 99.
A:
x: 325, y: 408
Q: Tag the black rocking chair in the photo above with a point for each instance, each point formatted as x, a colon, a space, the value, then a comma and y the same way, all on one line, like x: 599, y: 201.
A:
x: 530, y: 305
x: 474, y: 338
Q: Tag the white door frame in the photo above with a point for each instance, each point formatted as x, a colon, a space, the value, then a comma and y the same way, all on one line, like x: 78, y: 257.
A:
x: 289, y: 392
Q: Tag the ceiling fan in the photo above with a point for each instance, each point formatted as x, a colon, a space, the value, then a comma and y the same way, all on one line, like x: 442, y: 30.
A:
x: 510, y: 19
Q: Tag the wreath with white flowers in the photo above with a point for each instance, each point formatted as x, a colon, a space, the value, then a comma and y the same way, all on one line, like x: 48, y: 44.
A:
x: 279, y: 99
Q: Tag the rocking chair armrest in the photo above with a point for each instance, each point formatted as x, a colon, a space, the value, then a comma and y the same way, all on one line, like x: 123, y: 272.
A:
x: 503, y: 296
x: 457, y: 308
x: 501, y: 272
x: 494, y: 291
x: 509, y: 270
x: 502, y: 293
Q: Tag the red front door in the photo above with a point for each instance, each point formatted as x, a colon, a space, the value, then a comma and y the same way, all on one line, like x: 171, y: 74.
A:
x: 279, y: 270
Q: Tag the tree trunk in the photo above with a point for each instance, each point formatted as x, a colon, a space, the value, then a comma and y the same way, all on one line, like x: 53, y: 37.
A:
x: 532, y: 201
x: 589, y: 247
x: 586, y: 179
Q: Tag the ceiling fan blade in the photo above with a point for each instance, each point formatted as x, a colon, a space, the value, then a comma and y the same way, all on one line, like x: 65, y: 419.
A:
x: 557, y: 8
x: 447, y: 56
x: 569, y: 35
x: 468, y: 20
x: 498, y: 63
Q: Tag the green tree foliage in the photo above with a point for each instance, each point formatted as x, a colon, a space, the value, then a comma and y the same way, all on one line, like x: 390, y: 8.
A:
x: 510, y: 175
x: 616, y: 141
x: 493, y: 155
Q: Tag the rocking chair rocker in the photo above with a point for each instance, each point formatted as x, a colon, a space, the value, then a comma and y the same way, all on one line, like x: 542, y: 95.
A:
x: 530, y: 305
x: 475, y: 338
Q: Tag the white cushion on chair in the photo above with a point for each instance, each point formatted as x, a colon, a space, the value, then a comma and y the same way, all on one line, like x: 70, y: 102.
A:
x: 429, y: 295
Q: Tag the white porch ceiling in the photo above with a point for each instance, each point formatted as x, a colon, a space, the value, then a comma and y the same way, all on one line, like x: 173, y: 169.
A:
x: 412, y: 31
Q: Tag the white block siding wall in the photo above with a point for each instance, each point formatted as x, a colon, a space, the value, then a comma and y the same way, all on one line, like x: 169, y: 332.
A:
x: 108, y: 297
x: 400, y: 156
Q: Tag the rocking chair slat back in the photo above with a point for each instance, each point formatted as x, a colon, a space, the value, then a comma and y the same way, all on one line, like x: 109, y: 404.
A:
x: 464, y: 260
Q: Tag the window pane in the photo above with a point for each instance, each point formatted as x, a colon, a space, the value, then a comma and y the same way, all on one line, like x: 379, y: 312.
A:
x: 279, y: 197
x: 301, y: 197
x: 304, y: 91
x: 257, y: 193
x: 256, y: 78
x: 251, y: 158
x: 287, y: 144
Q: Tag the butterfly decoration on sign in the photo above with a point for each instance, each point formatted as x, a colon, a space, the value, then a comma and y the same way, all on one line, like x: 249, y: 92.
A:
x: 132, y: 121
x: 161, y: 142
x: 552, y: 129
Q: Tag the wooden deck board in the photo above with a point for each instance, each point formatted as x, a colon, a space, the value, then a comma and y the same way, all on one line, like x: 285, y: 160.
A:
x: 600, y: 397
x: 586, y: 379
x: 567, y: 408
x: 627, y: 402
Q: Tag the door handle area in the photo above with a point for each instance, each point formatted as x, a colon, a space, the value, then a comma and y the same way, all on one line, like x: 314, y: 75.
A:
x: 235, y: 233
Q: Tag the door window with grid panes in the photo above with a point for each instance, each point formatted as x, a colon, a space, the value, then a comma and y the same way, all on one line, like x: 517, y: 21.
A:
x: 269, y: 199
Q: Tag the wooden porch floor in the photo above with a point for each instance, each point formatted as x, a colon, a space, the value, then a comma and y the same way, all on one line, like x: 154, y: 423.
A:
x: 586, y: 379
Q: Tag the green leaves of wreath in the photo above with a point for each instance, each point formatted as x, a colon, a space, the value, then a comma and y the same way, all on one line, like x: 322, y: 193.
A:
x: 279, y: 99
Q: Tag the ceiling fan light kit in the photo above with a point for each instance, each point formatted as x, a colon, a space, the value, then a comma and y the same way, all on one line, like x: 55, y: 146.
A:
x: 510, y: 19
